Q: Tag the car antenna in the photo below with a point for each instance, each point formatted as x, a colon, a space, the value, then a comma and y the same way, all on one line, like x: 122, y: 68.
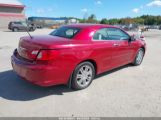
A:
x: 27, y: 30
x: 29, y: 34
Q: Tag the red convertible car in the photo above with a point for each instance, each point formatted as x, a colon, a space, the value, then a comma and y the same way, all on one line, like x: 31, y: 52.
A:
x: 74, y: 54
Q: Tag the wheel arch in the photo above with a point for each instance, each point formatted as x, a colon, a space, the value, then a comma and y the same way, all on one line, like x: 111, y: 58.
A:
x: 93, y: 62
x: 87, y: 60
x: 142, y: 47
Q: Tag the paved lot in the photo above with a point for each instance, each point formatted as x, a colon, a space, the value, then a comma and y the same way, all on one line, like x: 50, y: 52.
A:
x: 127, y: 91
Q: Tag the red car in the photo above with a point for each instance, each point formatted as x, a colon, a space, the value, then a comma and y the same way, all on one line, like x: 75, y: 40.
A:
x: 74, y: 54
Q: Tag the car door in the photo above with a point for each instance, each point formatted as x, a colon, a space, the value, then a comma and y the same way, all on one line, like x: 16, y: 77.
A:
x: 23, y: 25
x: 124, y: 50
x: 19, y: 25
x: 103, y: 49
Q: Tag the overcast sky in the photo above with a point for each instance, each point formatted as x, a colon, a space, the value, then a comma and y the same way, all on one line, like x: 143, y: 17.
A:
x: 101, y: 8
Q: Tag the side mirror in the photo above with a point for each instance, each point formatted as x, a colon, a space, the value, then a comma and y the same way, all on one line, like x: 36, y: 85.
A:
x: 132, y: 38
x: 142, y: 37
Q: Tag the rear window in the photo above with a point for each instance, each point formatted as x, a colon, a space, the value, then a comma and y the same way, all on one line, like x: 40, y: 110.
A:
x: 65, y: 32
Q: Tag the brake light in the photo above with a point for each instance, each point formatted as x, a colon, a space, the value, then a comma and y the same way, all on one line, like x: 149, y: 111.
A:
x: 33, y: 54
x: 48, y: 54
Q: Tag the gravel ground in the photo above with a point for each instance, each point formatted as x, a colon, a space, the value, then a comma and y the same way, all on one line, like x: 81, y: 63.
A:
x: 124, y: 92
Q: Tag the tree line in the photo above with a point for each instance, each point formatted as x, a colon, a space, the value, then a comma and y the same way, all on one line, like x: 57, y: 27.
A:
x: 142, y: 20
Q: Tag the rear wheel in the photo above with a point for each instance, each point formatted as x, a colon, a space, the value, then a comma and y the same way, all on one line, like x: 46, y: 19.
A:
x: 15, y: 29
x: 139, y: 57
x: 83, y: 76
x: 32, y: 29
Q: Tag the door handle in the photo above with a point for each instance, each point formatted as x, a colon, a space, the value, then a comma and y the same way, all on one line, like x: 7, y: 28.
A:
x: 116, y: 44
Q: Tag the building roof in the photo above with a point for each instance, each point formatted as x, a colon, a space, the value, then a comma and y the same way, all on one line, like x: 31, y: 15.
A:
x: 10, y: 2
x: 47, y: 18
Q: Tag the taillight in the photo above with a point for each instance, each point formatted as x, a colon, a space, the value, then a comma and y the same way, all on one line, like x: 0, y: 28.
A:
x: 33, y: 54
x: 48, y: 54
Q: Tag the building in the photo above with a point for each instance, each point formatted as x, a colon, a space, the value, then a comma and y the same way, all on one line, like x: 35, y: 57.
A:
x: 10, y: 10
x: 47, y: 21
x: 73, y: 20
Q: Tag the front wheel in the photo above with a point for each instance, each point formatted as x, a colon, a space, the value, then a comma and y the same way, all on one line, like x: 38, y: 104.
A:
x: 139, y: 57
x: 83, y: 76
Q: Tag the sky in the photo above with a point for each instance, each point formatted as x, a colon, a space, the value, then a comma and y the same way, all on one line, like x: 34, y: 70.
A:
x: 83, y: 8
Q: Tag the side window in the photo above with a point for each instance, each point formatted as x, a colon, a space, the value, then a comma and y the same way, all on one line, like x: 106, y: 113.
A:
x: 19, y: 23
x: 110, y: 34
x: 117, y: 34
x: 101, y: 34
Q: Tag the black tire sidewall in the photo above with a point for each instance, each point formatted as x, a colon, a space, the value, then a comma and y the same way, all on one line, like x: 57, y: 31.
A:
x: 75, y: 86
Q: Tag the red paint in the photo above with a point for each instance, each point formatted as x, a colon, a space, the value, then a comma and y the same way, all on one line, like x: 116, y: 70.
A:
x: 66, y: 54
x: 10, y: 5
x: 12, y: 15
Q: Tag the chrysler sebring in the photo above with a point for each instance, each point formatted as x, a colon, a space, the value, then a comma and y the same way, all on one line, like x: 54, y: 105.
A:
x: 74, y: 54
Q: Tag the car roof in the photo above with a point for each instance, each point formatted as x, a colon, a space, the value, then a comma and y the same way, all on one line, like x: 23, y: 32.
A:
x: 94, y: 26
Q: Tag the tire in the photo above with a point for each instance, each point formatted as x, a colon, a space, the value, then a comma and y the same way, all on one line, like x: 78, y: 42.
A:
x: 83, y: 76
x: 32, y: 29
x: 15, y: 29
x: 139, y: 57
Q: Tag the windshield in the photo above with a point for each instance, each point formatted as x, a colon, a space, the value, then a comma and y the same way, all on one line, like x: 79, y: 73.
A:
x: 65, y: 32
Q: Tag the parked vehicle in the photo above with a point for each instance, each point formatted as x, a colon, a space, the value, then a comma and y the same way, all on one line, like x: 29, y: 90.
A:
x: 74, y: 54
x: 56, y: 26
x: 39, y: 26
x: 153, y: 27
x: 159, y: 27
x: 143, y: 28
x: 20, y: 25
x: 125, y: 27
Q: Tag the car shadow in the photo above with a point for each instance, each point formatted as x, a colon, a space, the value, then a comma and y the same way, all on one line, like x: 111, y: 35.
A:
x: 7, y: 31
x: 14, y: 88
x: 112, y: 71
x: 15, y: 32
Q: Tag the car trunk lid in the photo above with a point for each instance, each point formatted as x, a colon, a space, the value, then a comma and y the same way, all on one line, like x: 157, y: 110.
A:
x: 29, y: 48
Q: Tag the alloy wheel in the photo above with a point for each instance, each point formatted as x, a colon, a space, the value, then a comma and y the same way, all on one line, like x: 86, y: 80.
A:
x: 84, y: 76
x: 140, y: 56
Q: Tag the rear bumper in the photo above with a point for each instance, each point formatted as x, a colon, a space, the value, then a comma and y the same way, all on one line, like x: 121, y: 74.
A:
x: 9, y: 28
x: 42, y: 75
